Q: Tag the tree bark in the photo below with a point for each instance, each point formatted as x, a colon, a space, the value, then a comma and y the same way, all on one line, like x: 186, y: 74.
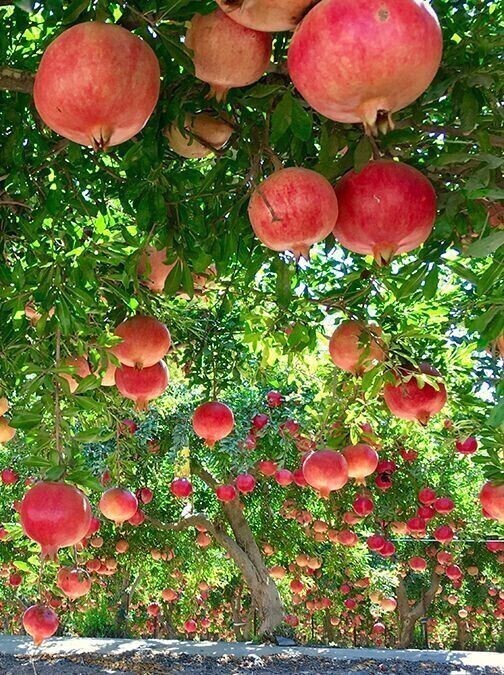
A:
x: 408, y: 616
x: 461, y: 642
x: 13, y: 79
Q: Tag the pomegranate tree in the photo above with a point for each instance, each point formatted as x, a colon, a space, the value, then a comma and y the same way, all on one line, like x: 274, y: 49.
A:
x: 356, y: 347
x: 41, y: 622
x: 325, y: 470
x: 411, y: 401
x: 55, y: 515
x: 360, y: 61
x: 226, y: 54
x: 293, y: 209
x: 97, y: 84
x: 144, y: 341
x: 212, y: 422
x: 142, y: 386
x: 266, y: 15
x: 386, y: 209
x: 203, y: 134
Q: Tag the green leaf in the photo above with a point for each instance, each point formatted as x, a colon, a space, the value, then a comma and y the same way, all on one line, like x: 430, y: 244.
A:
x: 412, y: 284
x: 486, y: 246
x: 302, y: 121
x: 363, y: 153
x: 281, y: 118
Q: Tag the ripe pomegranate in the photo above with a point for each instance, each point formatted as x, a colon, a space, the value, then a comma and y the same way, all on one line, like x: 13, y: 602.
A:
x: 416, y: 524
x: 467, y: 447
x: 245, y: 483
x: 284, y: 477
x: 153, y: 609
x: 153, y: 268
x: 386, y: 209
x: 97, y: 84
x: 74, y: 583
x: 427, y: 496
x: 203, y: 134
x: 169, y: 595
x: 492, y: 500
x: 361, y: 61
x: 141, y: 386
x: 7, y: 432
x: 226, y: 493
x: 225, y: 54
x: 118, y: 505
x: 41, y: 622
x: 363, y: 506
x: 376, y: 542
x: 408, y: 401
x: 145, y: 341
x: 443, y: 534
x: 108, y: 377
x: 383, y: 481
x: 274, y: 399
x: 144, y: 495
x: 15, y: 579
x: 355, y: 347
x: 298, y: 477
x: 80, y: 367
x: 325, y: 470
x: 190, y: 626
x: 265, y: 15
x: 418, y: 564
x: 293, y: 209
x: 259, y: 421
x: 362, y: 460
x: 212, y: 422
x: 443, y: 505
x: 267, y: 467
x: 55, y: 515
x: 181, y: 488
x: 453, y: 572
x: 9, y: 476
x: 426, y: 512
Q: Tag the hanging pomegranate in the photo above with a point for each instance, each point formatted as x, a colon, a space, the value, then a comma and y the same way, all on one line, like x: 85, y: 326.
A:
x: 142, y: 386
x: 410, y: 401
x: 356, y: 347
x: 362, y: 461
x: 265, y: 15
x: 74, y: 583
x: 118, y: 505
x: 181, y: 488
x: 145, y: 341
x: 212, y: 422
x: 203, y: 134
x: 41, y: 622
x: 325, y: 470
x: 467, y: 446
x: 492, y: 500
x: 153, y: 269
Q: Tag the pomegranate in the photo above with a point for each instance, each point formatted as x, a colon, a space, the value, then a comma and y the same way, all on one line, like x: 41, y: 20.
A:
x: 443, y: 505
x: 225, y: 54
x: 325, y: 470
x: 97, y: 84
x: 293, y: 209
x: 245, y: 483
x: 492, y: 500
x: 153, y: 609
x: 298, y: 477
x: 362, y: 460
x: 375, y: 542
x: 427, y: 496
x: 226, y: 493
x: 418, y: 564
x: 118, y: 505
x: 347, y: 538
x: 55, y: 515
x: 144, y: 495
x: 416, y: 524
x: 153, y: 268
x: 266, y: 15
x: 443, y: 534
x: 274, y: 399
x: 9, y: 476
x: 190, y: 626
x: 467, y: 447
x: 267, y: 467
x: 41, y: 622
x: 7, y: 432
x: 145, y: 341
x: 212, y: 422
x: 4, y: 405
x: 361, y: 61
x: 259, y: 421
x: 141, y: 386
x: 284, y: 477
x: 74, y: 583
x: 80, y: 367
x: 363, y: 506
x: 386, y: 209
x: 409, y: 401
x: 453, y: 572
x: 203, y: 134
x: 181, y: 488
x: 355, y: 347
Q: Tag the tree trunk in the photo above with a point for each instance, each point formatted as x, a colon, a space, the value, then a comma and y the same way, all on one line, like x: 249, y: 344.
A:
x: 408, y: 616
x: 461, y: 642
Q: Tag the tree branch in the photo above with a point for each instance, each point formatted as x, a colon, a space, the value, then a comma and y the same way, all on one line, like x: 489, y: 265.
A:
x: 13, y: 79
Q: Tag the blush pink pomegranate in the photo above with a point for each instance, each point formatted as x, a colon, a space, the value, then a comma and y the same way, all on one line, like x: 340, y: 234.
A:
x: 41, y: 622
x: 362, y: 461
x: 75, y: 583
x: 118, y: 505
x: 409, y: 401
x: 492, y: 500
x: 270, y: 16
x: 55, y: 515
x: 212, y: 422
x: 326, y: 471
x: 80, y: 367
x: 145, y: 341
x: 386, y: 209
x: 293, y: 209
x: 142, y: 386
x: 356, y: 347
x: 225, y: 54
x: 97, y: 84
x: 153, y: 268
x: 203, y: 134
x: 360, y: 61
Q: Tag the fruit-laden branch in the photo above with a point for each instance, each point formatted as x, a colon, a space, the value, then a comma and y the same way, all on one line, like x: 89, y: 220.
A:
x: 13, y: 79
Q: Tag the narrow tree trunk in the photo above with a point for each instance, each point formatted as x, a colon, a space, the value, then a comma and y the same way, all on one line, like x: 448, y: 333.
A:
x: 461, y: 642
x: 408, y: 616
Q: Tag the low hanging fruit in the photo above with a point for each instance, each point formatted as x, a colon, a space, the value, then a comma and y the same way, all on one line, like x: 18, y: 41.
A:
x: 41, y: 622
x: 203, y: 135
x: 55, y: 515
x: 362, y: 461
x: 325, y: 470
x: 142, y: 386
x: 386, y: 209
x: 492, y: 500
x: 356, y: 347
x: 153, y: 270
x: 293, y: 209
x: 145, y: 341
x: 225, y: 54
x: 97, y: 84
x: 410, y: 401
x: 75, y: 583
x: 361, y: 60
x: 265, y: 15
x: 212, y: 422
x: 118, y: 505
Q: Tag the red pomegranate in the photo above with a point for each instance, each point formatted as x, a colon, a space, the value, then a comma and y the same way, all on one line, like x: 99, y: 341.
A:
x: 225, y: 54
x: 137, y: 518
x: 362, y: 461
x: 347, y: 538
x: 141, y: 386
x: 293, y: 209
x: 468, y: 446
x: 226, y: 493
x: 41, y: 622
x: 410, y: 401
x: 443, y: 534
x: 416, y: 525
x: 325, y: 470
x: 212, y: 422
x: 386, y: 209
x: 97, y: 84
x: 266, y: 15
x: 355, y: 347
x: 267, y: 467
x: 118, y: 505
x: 145, y: 341
x: 453, y: 572
x: 427, y: 496
x: 418, y: 564
x: 360, y: 61
x: 245, y: 483
x: 376, y: 542
x: 153, y: 609
x: 9, y: 476
x: 190, y: 626
x: 443, y: 505
x: 284, y: 477
x: 274, y: 399
x: 259, y: 421
x: 492, y: 500
x: 203, y: 134
x: 363, y: 506
x: 153, y: 268
x: 55, y: 515
x: 74, y: 583
x: 181, y: 488
x: 144, y: 495
x: 80, y: 367
x: 298, y: 477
